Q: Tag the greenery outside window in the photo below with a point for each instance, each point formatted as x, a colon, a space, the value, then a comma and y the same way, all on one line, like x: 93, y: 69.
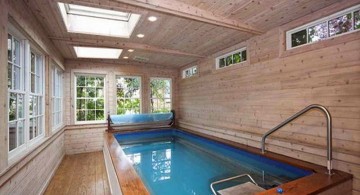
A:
x: 90, y: 100
x: 36, y: 96
x: 128, y: 95
x: 231, y: 58
x: 16, y: 88
x: 189, y: 72
x: 336, y: 24
x: 160, y: 97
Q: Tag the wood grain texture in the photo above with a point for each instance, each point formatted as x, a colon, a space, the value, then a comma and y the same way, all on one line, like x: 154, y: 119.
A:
x: 80, y: 174
x: 84, y: 138
x: 243, y: 101
x: 129, y: 180
x: 31, y: 174
x: 188, y: 32
x: 3, y: 85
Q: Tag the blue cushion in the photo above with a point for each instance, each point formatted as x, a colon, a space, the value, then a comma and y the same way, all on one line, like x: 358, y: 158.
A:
x: 140, y: 118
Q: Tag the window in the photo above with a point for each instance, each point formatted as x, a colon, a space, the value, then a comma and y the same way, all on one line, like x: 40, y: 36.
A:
x: 128, y: 98
x: 36, y: 96
x: 339, y: 23
x: 25, y: 93
x: 57, y: 97
x: 160, y: 98
x: 231, y: 58
x: 90, y: 98
x: 189, y: 72
x: 16, y: 96
x: 103, y: 21
x: 95, y: 52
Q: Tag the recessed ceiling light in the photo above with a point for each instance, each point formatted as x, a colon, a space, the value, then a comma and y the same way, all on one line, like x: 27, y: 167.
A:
x: 125, y: 57
x: 96, y: 52
x: 130, y: 50
x: 140, y: 35
x: 152, y: 18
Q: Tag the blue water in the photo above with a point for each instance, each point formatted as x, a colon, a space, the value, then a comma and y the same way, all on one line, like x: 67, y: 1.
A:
x: 172, y: 162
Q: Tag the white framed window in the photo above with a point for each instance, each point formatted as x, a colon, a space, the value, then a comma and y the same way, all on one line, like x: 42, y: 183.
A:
x: 16, y: 92
x: 36, y: 95
x: 231, y: 58
x: 160, y: 97
x: 89, y: 98
x: 57, y: 97
x: 340, y: 23
x: 25, y: 94
x: 189, y: 72
x: 128, y: 94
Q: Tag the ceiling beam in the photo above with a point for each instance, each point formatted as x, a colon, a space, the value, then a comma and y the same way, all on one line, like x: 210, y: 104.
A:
x: 184, y: 10
x: 122, y: 45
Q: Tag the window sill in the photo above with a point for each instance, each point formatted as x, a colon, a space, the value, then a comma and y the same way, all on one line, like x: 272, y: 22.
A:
x: 32, y: 145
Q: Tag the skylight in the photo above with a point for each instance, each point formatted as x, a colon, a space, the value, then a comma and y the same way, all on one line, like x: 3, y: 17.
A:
x: 97, y: 21
x: 96, y: 52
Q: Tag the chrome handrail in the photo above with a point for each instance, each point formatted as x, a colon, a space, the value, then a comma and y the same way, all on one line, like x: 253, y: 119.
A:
x: 301, y: 112
x: 228, y: 179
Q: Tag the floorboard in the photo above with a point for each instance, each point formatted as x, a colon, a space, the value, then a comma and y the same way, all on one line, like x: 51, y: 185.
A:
x: 80, y: 174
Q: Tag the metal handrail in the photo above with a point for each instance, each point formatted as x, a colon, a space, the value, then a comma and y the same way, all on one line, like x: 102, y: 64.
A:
x: 228, y: 179
x: 301, y: 112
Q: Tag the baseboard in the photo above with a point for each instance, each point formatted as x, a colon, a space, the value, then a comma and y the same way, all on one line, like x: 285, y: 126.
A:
x: 43, y: 189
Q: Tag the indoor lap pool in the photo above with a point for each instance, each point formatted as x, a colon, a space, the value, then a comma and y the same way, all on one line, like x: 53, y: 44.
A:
x: 176, y: 162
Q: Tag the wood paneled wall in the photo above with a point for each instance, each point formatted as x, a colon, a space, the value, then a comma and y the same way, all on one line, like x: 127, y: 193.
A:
x: 84, y: 138
x: 30, y: 171
x: 35, y: 171
x: 3, y: 83
x: 87, y: 138
x: 243, y: 101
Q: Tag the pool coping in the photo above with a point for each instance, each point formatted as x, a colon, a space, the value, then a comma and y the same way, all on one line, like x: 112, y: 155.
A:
x: 131, y: 183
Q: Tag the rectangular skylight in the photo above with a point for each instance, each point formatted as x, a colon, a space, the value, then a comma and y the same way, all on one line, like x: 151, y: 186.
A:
x: 97, y: 21
x: 96, y: 12
x: 97, y: 52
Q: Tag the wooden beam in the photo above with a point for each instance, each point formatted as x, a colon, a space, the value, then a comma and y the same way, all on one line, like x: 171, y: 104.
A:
x: 122, y: 45
x: 184, y: 10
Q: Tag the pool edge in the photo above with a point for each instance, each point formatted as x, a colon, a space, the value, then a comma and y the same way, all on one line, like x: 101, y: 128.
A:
x: 317, y: 183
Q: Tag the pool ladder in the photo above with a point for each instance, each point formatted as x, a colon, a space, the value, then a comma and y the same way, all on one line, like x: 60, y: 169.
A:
x: 228, y: 179
x: 301, y: 112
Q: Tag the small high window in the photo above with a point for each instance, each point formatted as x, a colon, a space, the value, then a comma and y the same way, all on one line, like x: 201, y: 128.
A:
x: 128, y: 94
x: 231, y: 58
x: 97, y: 21
x: 334, y: 25
x: 90, y: 101
x: 160, y: 99
x: 189, y: 72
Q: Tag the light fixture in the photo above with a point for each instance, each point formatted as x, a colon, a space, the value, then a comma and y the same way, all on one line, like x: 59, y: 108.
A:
x: 97, y: 52
x: 140, y: 35
x: 152, y: 18
x: 130, y: 50
x: 125, y: 57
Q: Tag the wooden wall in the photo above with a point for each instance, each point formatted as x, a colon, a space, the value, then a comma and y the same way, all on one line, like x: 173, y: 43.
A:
x: 34, y: 172
x: 30, y: 171
x: 86, y: 138
x: 243, y: 101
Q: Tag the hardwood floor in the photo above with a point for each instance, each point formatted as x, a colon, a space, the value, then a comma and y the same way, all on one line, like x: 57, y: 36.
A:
x: 80, y: 174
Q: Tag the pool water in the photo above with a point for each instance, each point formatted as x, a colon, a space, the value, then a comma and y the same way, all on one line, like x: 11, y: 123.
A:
x: 172, y: 162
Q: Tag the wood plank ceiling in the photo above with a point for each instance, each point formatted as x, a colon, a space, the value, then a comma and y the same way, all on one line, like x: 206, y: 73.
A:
x: 186, y: 30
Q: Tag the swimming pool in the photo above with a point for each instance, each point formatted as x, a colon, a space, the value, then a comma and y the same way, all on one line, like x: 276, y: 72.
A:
x: 176, y: 162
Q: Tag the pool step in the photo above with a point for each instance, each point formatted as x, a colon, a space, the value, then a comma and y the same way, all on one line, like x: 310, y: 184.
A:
x: 247, y: 188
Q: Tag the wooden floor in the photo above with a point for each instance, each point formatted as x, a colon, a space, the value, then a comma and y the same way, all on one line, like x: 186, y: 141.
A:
x: 80, y: 174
